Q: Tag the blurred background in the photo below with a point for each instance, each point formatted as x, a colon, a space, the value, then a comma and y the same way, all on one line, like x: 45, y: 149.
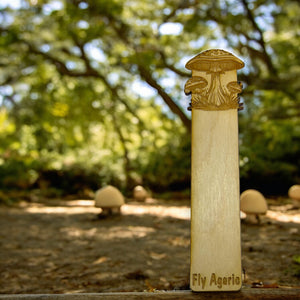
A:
x: 91, y: 92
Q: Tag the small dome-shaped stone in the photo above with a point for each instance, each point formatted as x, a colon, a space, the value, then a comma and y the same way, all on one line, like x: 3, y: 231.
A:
x: 139, y: 193
x: 253, y: 202
x: 294, y: 192
x: 109, y: 197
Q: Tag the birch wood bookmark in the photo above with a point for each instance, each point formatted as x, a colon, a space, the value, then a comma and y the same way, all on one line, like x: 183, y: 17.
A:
x: 215, y: 216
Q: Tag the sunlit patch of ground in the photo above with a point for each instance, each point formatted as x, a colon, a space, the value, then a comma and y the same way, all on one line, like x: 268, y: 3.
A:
x: 63, y: 207
x: 181, y: 212
x: 283, y: 213
x: 286, y: 217
x: 87, y: 206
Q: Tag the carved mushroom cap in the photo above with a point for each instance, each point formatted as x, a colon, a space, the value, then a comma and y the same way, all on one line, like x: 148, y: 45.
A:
x: 253, y: 202
x: 235, y: 87
x: 294, y: 192
x: 196, y: 82
x: 139, y: 193
x: 215, y: 60
x: 109, y: 196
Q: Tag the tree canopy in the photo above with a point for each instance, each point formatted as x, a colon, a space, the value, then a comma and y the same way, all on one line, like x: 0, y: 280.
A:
x: 98, y: 85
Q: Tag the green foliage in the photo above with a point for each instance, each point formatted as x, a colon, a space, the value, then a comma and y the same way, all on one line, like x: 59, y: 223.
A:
x: 296, y: 265
x: 96, y: 88
x: 169, y: 167
x: 296, y: 259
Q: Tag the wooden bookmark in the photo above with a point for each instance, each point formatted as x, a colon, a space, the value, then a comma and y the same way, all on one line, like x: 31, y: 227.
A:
x: 215, y: 208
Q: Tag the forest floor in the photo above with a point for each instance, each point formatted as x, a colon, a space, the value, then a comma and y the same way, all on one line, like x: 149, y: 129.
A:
x: 58, y: 246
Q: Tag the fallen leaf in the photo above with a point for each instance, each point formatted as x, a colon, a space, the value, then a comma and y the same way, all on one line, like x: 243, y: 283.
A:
x: 101, y: 260
x: 260, y: 284
x: 157, y: 256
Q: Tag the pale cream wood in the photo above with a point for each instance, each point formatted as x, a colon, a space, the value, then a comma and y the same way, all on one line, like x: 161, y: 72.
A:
x: 215, y: 208
x: 215, y: 222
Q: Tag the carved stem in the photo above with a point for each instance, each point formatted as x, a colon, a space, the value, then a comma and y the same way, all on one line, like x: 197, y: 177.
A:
x: 216, y: 94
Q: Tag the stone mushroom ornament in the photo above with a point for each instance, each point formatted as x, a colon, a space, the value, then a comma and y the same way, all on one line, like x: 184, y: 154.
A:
x: 139, y: 193
x: 253, y: 204
x: 110, y: 200
x: 294, y: 194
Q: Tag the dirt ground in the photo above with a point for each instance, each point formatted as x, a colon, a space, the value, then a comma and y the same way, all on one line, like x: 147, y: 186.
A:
x: 63, y: 247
